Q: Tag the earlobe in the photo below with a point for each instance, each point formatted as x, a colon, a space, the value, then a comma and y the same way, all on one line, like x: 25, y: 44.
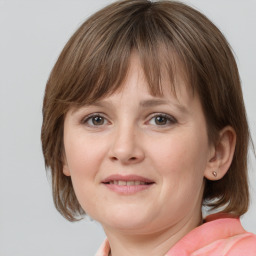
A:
x: 66, y: 170
x: 222, y: 156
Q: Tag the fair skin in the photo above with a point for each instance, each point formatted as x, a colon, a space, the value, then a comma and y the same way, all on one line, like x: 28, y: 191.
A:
x: 138, y: 163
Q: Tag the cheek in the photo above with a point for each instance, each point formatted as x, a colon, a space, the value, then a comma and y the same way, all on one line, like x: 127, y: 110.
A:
x: 83, y: 154
x: 180, y: 154
x: 83, y: 160
x: 181, y: 164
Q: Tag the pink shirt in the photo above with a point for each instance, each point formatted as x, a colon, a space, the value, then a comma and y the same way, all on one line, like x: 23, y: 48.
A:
x: 220, y: 235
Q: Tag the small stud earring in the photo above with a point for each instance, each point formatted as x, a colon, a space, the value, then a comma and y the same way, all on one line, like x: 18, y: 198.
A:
x: 214, y: 173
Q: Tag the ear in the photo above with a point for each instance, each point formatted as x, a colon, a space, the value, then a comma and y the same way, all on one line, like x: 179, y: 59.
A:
x: 221, y: 155
x: 66, y: 170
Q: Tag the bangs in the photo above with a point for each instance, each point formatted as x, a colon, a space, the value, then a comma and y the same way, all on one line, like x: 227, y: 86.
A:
x: 98, y: 63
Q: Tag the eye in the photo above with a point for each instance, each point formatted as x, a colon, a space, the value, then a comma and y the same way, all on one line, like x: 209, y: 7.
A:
x: 162, y: 120
x: 95, y: 120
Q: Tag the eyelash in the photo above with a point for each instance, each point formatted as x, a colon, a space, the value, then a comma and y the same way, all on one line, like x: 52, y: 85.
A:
x: 91, y: 116
x: 169, y: 119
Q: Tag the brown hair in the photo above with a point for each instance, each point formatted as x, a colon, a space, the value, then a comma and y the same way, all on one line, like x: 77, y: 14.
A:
x: 94, y: 63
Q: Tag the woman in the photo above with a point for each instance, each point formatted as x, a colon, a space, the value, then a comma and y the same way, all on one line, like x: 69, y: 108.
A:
x: 144, y: 123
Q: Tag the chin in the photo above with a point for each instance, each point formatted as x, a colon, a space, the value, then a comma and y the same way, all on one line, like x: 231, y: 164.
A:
x: 124, y: 219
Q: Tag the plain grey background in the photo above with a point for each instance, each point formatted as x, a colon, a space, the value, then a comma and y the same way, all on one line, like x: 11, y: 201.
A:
x: 33, y: 33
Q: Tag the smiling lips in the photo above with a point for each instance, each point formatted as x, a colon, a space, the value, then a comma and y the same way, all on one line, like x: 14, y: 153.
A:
x: 127, y: 184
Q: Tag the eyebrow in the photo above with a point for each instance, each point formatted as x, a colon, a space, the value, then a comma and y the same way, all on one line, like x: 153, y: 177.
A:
x: 159, y: 102
x: 94, y: 104
x: 144, y: 104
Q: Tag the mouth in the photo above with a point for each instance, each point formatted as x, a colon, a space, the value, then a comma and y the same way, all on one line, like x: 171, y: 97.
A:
x: 129, y: 184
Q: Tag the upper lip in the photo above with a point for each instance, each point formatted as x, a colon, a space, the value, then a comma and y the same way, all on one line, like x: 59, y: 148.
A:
x: 118, y: 177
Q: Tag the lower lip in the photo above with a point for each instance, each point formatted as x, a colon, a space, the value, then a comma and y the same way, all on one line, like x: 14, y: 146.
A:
x: 128, y: 190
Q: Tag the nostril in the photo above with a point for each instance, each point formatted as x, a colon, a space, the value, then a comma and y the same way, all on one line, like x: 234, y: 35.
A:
x: 114, y: 158
x: 132, y: 159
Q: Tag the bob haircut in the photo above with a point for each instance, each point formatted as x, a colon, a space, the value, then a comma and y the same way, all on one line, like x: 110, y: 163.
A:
x: 167, y: 36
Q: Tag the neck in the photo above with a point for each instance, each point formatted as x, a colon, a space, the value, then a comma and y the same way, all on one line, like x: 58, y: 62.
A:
x: 150, y: 243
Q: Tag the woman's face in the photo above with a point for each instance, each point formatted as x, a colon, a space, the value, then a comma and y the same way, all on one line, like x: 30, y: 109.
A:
x: 137, y: 162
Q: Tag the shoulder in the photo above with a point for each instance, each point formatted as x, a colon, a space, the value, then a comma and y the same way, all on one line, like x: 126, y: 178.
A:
x: 232, y: 239
x: 220, y: 235
x: 244, y: 244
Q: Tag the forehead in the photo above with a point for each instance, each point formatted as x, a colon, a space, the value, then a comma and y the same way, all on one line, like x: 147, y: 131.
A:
x: 136, y: 79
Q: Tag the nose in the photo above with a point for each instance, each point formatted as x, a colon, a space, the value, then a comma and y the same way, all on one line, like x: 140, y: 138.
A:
x: 126, y: 146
